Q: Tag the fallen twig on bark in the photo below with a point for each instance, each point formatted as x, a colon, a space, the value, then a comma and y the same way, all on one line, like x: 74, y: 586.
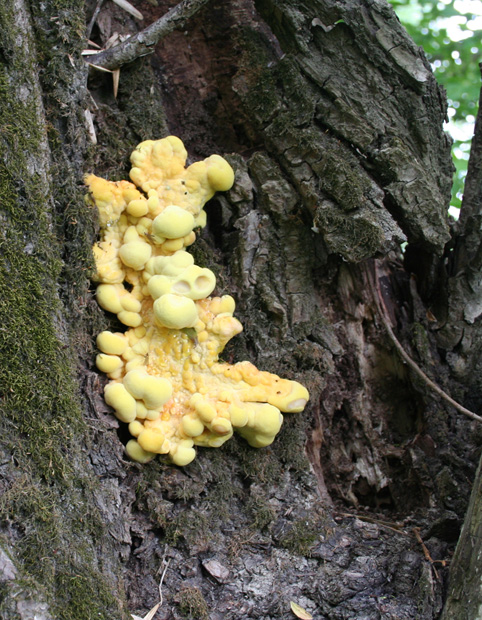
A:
x: 395, y: 527
x: 427, y: 555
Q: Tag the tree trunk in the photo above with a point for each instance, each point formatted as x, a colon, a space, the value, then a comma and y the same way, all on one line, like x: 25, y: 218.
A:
x: 463, y: 305
x: 332, y: 121
x: 465, y: 592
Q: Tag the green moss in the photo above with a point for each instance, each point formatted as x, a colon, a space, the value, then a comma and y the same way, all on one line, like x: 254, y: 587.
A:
x: 260, y: 465
x: 136, y: 115
x: 290, y: 446
x: 66, y: 573
x: 82, y: 593
x: 301, y: 537
x: 53, y: 22
x: 110, y: 158
x: 354, y: 238
x: 340, y: 178
x: 192, y: 605
x: 222, y: 466
x: 295, y: 89
x: 138, y: 84
x: 260, y: 95
x: 418, y: 333
x: 4, y: 603
x: 158, y: 510
x: 262, y: 514
x: 190, y: 525
x: 49, y: 501
x: 36, y: 378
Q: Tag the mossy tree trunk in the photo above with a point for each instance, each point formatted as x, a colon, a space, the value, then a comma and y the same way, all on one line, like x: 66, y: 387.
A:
x: 333, y: 121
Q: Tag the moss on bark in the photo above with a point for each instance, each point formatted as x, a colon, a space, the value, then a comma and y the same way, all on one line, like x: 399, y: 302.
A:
x: 47, y: 507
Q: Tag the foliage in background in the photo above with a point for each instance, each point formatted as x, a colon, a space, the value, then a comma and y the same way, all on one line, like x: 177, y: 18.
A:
x: 450, y: 33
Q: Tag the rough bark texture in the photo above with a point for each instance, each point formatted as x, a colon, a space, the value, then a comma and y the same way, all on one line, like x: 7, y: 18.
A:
x: 332, y: 119
x: 465, y: 593
x: 464, y: 331
x: 459, y: 329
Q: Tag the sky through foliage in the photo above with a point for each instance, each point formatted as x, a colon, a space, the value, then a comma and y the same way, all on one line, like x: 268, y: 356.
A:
x: 450, y: 31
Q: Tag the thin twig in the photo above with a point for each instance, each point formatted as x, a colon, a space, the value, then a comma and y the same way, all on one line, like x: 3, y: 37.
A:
x: 426, y: 553
x: 382, y: 310
x: 143, y: 42
x: 386, y: 524
x: 166, y: 566
x: 152, y: 612
x: 93, y: 19
x: 127, y: 6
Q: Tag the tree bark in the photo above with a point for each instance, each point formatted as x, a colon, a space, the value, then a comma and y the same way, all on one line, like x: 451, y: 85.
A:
x: 465, y: 592
x: 333, y: 122
x: 144, y: 42
x: 464, y: 310
x: 459, y: 330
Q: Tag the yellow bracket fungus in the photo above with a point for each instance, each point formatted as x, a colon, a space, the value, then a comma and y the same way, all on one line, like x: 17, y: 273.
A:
x: 166, y: 380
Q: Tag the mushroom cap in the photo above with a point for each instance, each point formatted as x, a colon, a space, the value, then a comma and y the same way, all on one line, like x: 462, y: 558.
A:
x: 263, y: 425
x: 108, y: 363
x: 136, y: 453
x: 183, y: 453
x: 290, y: 396
x: 152, y: 440
x: 194, y: 282
x: 158, y: 285
x: 111, y: 343
x: 192, y: 425
x: 221, y: 426
x: 132, y: 319
x: 154, y: 391
x: 220, y: 174
x: 108, y: 297
x: 135, y: 254
x: 175, y: 312
x: 238, y: 416
x: 170, y: 265
x: 138, y: 208
x: 173, y: 222
x: 118, y: 398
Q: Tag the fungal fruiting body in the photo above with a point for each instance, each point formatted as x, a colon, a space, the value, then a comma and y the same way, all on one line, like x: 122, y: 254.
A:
x: 166, y: 380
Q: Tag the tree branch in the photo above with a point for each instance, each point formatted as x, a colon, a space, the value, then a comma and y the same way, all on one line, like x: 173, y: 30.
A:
x: 94, y: 18
x: 143, y: 42
x: 469, y: 247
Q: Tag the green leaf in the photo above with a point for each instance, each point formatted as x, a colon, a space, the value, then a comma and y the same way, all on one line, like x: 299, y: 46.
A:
x: 454, y: 62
